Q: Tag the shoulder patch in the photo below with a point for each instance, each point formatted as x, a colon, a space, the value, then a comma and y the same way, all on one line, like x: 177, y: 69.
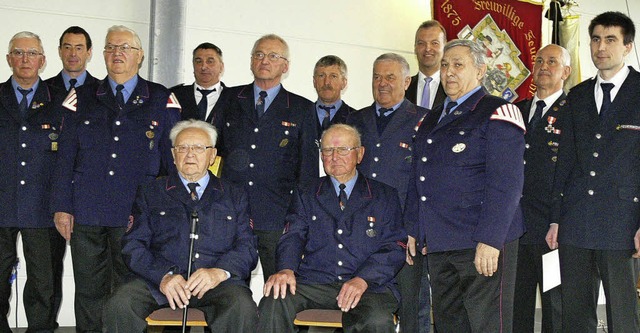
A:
x: 71, y: 101
x: 509, y: 113
x: 172, y: 102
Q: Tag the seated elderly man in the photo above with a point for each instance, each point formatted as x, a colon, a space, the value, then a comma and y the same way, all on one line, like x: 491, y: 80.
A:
x: 341, y: 247
x: 156, y: 245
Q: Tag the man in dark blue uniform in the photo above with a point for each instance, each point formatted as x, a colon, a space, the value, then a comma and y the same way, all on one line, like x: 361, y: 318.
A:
x: 156, y: 245
x: 341, y: 247
x: 29, y: 127
x: 75, y: 49
x: 207, y: 96
x: 118, y: 139
x: 597, y: 186
x: 268, y: 143
x: 541, y: 114
x: 388, y: 127
x: 463, y: 199
x: 329, y: 79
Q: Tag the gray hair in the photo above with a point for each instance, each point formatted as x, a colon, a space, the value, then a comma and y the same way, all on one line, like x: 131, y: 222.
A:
x: 332, y: 60
x: 122, y: 28
x: 566, y: 57
x: 272, y: 37
x: 476, y: 50
x: 193, y: 123
x: 344, y: 127
x: 397, y: 58
x: 26, y: 34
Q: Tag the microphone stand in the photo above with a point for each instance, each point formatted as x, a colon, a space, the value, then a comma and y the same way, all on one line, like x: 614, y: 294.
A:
x: 192, y: 236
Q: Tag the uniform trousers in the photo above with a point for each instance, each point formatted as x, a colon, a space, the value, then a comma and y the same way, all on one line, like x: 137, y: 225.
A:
x: 38, y: 287
x: 267, y: 244
x: 410, y: 285
x: 228, y: 308
x: 528, y: 278
x: 581, y: 271
x: 373, y: 314
x: 465, y: 301
x: 97, y: 271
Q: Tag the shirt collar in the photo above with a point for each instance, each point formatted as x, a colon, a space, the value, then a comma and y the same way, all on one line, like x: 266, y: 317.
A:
x: 202, y: 183
x: 79, y: 80
x: 129, y: 86
x: 547, y: 101
x: 463, y: 98
x: 395, y: 107
x: 349, y: 185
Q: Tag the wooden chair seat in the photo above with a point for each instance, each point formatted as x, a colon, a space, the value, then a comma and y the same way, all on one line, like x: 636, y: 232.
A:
x: 167, y: 317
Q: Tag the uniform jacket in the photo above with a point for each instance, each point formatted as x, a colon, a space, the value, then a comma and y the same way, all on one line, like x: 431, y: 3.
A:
x: 387, y: 157
x: 270, y: 154
x: 540, y: 156
x: 157, y: 240
x: 58, y: 82
x: 467, y: 176
x: 597, y: 189
x: 412, y: 93
x: 187, y: 99
x: 323, y: 244
x: 339, y: 118
x: 28, y: 149
x: 105, y: 153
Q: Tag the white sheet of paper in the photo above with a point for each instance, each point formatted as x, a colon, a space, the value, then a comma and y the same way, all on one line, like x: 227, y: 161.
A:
x: 321, y: 166
x: 550, y: 270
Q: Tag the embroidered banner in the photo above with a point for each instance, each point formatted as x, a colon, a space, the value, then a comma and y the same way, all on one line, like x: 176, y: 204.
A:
x: 509, y: 31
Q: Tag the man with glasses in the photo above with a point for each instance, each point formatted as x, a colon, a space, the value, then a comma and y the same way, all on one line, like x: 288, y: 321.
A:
x: 388, y: 127
x: 268, y: 143
x: 30, y: 124
x: 118, y: 139
x: 341, y: 247
x: 207, y: 96
x: 156, y: 245
x: 75, y: 50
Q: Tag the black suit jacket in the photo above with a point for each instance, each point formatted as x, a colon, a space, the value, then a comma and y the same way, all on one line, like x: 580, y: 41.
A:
x: 187, y: 99
x: 58, y: 82
x: 540, y: 157
x: 412, y: 93
x: 597, y: 188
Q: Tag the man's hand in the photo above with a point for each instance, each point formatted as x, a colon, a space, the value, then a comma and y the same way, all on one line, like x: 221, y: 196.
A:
x: 351, y: 292
x: 279, y: 283
x: 552, y: 237
x: 411, y: 250
x: 205, y: 279
x: 173, y: 286
x: 64, y: 224
x: 486, y: 260
x: 636, y: 241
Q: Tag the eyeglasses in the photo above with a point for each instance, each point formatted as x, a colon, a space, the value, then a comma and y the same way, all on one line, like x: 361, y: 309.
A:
x: 342, y: 151
x: 198, y: 149
x: 124, y: 48
x: 18, y: 53
x: 272, y: 56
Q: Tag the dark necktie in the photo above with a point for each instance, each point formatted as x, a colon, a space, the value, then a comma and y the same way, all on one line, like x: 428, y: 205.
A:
x: 343, y: 196
x: 24, y: 102
x: 192, y: 191
x: 426, y: 93
x: 260, y: 103
x: 202, y: 106
x: 72, y: 83
x: 383, y: 119
x: 326, y: 121
x: 450, y: 106
x: 120, y: 96
x: 537, y: 115
x: 606, y: 98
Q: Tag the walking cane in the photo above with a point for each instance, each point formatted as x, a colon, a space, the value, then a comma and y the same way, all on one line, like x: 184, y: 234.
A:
x: 193, y: 236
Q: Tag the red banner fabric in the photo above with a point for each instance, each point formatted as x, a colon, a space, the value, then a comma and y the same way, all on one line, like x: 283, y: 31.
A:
x: 510, y: 32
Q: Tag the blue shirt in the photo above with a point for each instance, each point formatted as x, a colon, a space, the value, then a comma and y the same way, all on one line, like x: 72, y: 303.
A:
x: 349, y: 185
x: 271, y: 94
x: 395, y: 107
x: 129, y: 86
x: 19, y: 94
x: 79, y: 80
x: 322, y: 113
x: 202, y: 183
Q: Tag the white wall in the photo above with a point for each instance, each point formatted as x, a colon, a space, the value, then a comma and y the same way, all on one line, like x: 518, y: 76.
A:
x: 356, y: 30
